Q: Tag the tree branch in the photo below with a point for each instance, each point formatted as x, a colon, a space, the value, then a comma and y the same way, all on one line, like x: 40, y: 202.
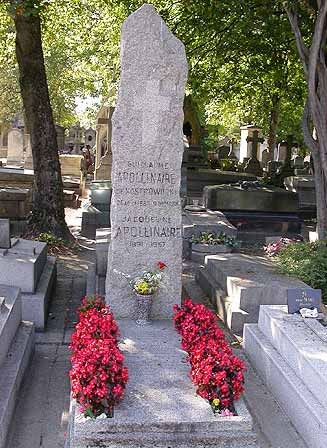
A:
x: 317, y: 43
x: 302, y: 49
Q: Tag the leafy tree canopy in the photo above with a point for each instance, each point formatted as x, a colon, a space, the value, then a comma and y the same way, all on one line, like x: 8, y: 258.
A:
x: 241, y: 54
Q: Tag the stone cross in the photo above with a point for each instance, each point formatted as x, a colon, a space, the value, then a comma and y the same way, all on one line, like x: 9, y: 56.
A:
x: 151, y: 105
x: 4, y: 234
x: 147, y: 150
x: 253, y: 165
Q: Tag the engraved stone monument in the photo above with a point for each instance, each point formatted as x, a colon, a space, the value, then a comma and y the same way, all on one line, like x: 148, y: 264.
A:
x: 147, y: 147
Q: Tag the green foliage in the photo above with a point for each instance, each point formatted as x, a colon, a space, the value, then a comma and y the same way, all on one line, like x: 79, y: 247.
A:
x: 241, y: 56
x: 56, y: 246
x: 27, y: 7
x: 214, y: 239
x: 306, y: 261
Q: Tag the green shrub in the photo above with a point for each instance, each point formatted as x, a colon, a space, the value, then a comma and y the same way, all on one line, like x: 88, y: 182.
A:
x: 306, y: 261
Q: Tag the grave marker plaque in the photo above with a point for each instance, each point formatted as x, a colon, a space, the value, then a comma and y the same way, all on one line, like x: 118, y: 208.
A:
x: 303, y: 298
x: 147, y: 147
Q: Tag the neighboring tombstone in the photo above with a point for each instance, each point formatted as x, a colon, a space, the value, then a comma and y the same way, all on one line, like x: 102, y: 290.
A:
x: 103, y: 154
x: 28, y: 159
x: 253, y: 165
x: 4, y: 234
x: 245, y: 145
x: 222, y: 152
x: 60, y: 133
x: 265, y: 157
x: 282, y: 151
x: 3, y: 144
x: 286, y: 149
x: 90, y: 137
x: 231, y: 154
x: 15, y: 155
x: 297, y: 162
x: 274, y: 166
x: 147, y: 146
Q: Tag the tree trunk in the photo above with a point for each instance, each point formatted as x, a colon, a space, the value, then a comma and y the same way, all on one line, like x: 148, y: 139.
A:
x: 273, y: 124
x: 321, y: 196
x: 48, y: 213
x: 314, y: 64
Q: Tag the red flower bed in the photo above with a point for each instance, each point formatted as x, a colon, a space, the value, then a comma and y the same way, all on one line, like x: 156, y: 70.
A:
x: 215, y: 370
x: 98, y: 377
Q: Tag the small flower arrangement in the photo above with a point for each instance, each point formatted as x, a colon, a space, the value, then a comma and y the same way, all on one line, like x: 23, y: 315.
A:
x: 273, y: 249
x: 214, y: 239
x: 98, y: 376
x: 215, y: 370
x: 149, y: 282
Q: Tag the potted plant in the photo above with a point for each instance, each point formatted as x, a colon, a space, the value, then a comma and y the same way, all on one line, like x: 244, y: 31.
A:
x: 144, y: 287
x: 213, y: 243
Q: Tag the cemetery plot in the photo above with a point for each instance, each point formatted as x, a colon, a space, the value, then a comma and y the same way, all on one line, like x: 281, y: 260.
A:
x: 16, y: 348
x: 160, y: 407
x: 290, y: 354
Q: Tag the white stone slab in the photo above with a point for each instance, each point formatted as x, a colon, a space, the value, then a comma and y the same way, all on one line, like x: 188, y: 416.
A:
x: 23, y: 264
x: 206, y: 221
x: 250, y: 280
x: 35, y: 305
x: 303, y: 349
x: 11, y: 375
x: 102, y: 241
x: 10, y: 317
x: 147, y: 147
x: 306, y: 413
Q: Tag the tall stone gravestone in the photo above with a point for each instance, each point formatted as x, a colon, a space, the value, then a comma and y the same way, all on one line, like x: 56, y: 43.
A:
x: 15, y: 154
x: 147, y: 147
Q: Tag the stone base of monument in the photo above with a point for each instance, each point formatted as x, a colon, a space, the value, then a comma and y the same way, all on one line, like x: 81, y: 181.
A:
x: 16, y: 348
x: 35, y: 305
x: 289, y: 353
x: 256, y: 226
x: 15, y: 203
x: 71, y: 199
x: 250, y: 198
x: 160, y: 407
x: 75, y: 183
x: 238, y: 284
x: 304, y: 186
x: 197, y: 179
x: 93, y: 219
x: 200, y: 251
x: 26, y: 266
x: 203, y: 221
x: 15, y: 177
x: 97, y: 214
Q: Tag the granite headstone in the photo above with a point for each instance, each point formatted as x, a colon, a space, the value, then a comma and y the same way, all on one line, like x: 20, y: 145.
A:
x: 303, y: 298
x: 147, y: 147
